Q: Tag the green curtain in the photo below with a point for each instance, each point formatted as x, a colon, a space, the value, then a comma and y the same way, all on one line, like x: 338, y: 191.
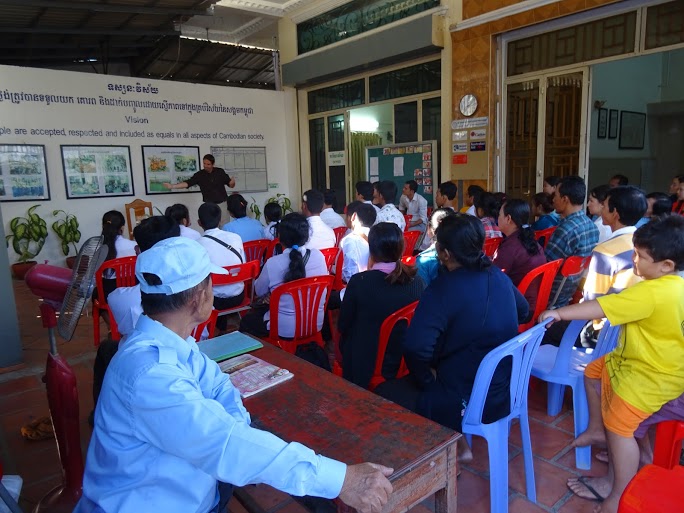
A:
x: 359, y: 142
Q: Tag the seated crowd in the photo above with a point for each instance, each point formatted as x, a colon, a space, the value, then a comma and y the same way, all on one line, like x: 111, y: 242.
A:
x: 631, y: 246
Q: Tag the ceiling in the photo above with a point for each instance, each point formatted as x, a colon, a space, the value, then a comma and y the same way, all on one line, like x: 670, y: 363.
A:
x: 142, y: 38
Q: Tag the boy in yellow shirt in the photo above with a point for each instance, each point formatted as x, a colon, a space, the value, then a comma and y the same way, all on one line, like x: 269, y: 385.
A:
x: 646, y: 370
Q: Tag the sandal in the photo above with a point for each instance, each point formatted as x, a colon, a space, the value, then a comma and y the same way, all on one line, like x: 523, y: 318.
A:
x: 595, y: 496
x: 38, y: 429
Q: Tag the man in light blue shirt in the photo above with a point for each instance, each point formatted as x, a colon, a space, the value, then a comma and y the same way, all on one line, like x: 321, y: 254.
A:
x: 169, y: 425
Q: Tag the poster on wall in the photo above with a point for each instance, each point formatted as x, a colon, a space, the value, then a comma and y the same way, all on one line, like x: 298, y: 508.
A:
x: 246, y: 164
x: 23, y: 173
x: 97, y: 171
x: 172, y: 164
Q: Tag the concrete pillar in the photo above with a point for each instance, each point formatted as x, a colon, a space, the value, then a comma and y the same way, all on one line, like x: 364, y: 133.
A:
x: 10, y: 343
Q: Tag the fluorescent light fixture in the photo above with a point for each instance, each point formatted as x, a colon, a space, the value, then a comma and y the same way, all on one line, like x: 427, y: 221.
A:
x: 241, y: 45
x: 362, y: 124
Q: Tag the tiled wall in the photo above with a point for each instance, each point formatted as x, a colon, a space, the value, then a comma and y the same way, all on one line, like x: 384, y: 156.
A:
x: 474, y: 62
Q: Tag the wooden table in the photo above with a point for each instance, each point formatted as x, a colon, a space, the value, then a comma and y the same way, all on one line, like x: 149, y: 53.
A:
x: 342, y: 421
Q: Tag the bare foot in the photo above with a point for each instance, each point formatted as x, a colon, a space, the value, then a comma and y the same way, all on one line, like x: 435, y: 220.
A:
x: 591, y: 488
x: 610, y: 505
x: 589, y: 438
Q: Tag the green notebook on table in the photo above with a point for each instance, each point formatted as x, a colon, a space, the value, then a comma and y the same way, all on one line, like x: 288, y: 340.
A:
x: 228, y: 345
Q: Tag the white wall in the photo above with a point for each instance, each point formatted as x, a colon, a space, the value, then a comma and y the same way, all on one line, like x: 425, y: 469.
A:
x: 272, y: 118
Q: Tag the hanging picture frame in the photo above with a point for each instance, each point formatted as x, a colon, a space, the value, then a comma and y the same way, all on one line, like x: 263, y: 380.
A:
x: 23, y: 173
x: 602, y: 127
x: 613, y: 120
x: 632, y: 130
x: 169, y: 164
x: 92, y: 171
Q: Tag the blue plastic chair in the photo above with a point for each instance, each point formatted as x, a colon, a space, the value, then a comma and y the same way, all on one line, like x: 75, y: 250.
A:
x: 523, y: 349
x: 564, y: 365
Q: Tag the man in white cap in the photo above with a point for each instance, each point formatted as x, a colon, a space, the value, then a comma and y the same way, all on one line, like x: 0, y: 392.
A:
x: 170, y: 429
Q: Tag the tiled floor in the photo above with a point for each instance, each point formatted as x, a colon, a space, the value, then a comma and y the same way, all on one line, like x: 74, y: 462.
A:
x: 23, y: 398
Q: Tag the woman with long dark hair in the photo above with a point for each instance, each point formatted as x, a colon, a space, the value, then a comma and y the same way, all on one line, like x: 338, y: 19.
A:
x: 467, y: 312
x: 543, y: 208
x: 294, y: 263
x: 370, y: 297
x: 487, y: 210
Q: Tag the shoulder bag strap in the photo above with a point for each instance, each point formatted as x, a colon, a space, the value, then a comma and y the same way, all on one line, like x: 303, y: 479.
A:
x: 228, y: 246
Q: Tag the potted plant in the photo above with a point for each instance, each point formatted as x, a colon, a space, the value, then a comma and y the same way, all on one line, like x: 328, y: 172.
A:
x: 66, y: 229
x: 282, y: 200
x: 28, y: 236
x: 255, y: 210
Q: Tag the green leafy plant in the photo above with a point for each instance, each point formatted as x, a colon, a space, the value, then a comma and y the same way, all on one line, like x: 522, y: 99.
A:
x: 284, y: 202
x: 28, y: 235
x: 255, y: 210
x: 67, y: 231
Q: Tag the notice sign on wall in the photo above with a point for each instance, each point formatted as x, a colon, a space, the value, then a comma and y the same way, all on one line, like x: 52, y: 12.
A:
x: 336, y: 158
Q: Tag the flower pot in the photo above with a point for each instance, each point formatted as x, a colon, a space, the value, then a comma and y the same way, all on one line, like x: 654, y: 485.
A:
x: 20, y: 269
x: 70, y: 261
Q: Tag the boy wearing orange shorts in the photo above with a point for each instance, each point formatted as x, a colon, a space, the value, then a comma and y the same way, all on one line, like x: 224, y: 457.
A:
x: 646, y: 370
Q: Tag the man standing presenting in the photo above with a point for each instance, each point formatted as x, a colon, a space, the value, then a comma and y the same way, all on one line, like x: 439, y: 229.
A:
x: 414, y: 205
x: 212, y: 181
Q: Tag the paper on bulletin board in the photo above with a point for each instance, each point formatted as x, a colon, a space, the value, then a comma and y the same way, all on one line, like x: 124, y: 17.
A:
x: 398, y: 166
x: 374, y: 166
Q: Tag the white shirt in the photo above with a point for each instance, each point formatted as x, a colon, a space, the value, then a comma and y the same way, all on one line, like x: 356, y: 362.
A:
x: 332, y: 218
x: 471, y: 211
x: 123, y: 248
x: 356, y: 253
x: 605, y: 232
x: 377, y: 208
x: 269, y: 230
x: 222, y: 256
x: 417, y: 209
x: 190, y: 233
x: 390, y: 214
x: 321, y: 236
x: 126, y: 308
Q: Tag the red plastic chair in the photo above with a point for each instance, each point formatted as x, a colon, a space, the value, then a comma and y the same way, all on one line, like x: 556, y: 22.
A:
x: 125, y: 277
x: 410, y: 241
x: 491, y: 245
x: 573, y: 266
x: 307, y: 293
x: 547, y: 272
x: 407, y: 221
x: 273, y: 246
x: 339, y: 233
x: 409, y: 260
x: 242, y: 273
x: 403, y: 314
x: 654, y: 490
x: 668, y: 443
x: 544, y: 236
x: 330, y: 255
x: 339, y: 283
x: 256, y: 249
x: 430, y: 210
x: 210, y: 324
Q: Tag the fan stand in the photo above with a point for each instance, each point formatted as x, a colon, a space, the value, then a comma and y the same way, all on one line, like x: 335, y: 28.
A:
x: 62, y: 393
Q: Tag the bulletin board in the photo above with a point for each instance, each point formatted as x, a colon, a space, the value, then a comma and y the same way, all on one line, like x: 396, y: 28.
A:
x: 402, y: 162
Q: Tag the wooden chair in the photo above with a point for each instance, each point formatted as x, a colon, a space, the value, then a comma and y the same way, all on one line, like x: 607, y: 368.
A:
x: 403, y: 314
x: 307, y: 295
x: 573, y: 266
x: 141, y: 210
x: 544, y: 236
x: 241, y: 273
x: 256, y: 249
x: 339, y: 234
x: 125, y: 277
x: 491, y: 245
x: 410, y: 241
x: 541, y: 277
x: 330, y: 255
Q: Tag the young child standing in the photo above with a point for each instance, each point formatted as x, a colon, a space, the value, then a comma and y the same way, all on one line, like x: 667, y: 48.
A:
x: 646, y: 370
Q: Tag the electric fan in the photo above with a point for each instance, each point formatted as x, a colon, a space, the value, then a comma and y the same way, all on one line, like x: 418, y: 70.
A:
x: 67, y: 292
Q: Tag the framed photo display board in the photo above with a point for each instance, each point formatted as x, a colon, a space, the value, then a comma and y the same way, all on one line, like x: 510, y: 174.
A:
x: 632, y: 130
x: 23, y: 173
x: 97, y: 171
x: 172, y: 164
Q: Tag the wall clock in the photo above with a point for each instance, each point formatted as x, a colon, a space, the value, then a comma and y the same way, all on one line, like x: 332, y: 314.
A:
x: 468, y: 105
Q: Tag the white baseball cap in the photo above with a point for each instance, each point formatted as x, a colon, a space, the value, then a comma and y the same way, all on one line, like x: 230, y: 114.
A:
x: 179, y: 262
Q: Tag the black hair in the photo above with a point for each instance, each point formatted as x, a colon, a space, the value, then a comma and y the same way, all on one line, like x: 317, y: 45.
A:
x: 209, y: 215
x: 366, y: 214
x: 463, y: 236
x: 154, y: 229
x: 543, y: 200
x: 438, y: 215
x: 488, y: 203
x: 237, y: 206
x: 294, y: 231
x: 519, y: 210
x: 600, y: 192
x: 112, y: 224
x: 210, y: 158
x: 553, y: 181
x: 448, y: 189
x: 386, y: 244
x: 622, y: 179
x: 330, y: 198
x: 663, y: 239
x: 475, y: 190
x: 500, y: 197
x: 413, y: 185
x: 388, y: 190
x: 574, y: 188
x: 178, y: 212
x: 155, y: 304
x: 351, y: 208
x: 630, y: 203
x: 314, y: 201
x: 365, y: 189
x: 272, y: 213
x: 662, y: 204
